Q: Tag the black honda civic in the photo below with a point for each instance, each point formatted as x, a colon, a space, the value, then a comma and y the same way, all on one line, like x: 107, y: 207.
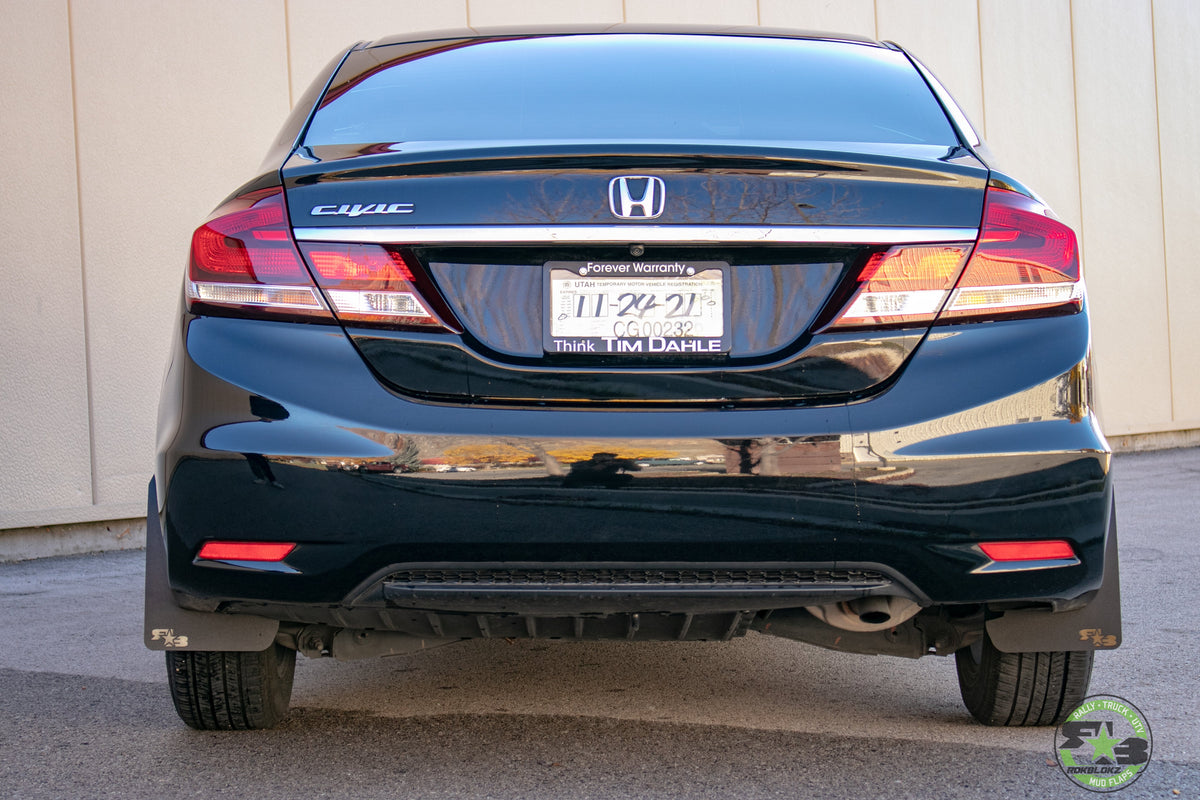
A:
x: 649, y: 334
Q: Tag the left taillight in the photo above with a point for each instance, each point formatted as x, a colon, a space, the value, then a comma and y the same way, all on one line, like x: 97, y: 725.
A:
x: 244, y: 261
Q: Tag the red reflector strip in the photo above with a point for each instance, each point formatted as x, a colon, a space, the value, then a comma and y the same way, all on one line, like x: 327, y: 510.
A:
x: 1051, y: 550
x: 246, y: 551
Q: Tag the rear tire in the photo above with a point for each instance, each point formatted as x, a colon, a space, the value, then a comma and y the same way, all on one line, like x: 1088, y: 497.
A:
x: 1021, y: 689
x: 229, y: 691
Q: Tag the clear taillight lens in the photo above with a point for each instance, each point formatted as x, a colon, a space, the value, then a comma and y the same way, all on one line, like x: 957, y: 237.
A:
x: 1025, y: 263
x: 243, y: 258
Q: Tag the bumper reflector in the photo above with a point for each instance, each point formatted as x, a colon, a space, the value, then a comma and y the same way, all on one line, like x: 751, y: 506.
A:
x: 245, y: 551
x: 1017, y: 556
x: 1027, y: 551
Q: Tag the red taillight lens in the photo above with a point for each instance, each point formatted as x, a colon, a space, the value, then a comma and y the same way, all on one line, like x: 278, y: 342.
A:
x: 247, y: 241
x: 1051, y: 550
x: 244, y: 258
x: 364, y: 266
x: 245, y: 551
x: 369, y: 283
x: 1025, y: 263
x: 903, y: 286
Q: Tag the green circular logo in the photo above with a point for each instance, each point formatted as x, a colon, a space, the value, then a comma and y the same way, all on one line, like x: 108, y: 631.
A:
x: 1103, y: 745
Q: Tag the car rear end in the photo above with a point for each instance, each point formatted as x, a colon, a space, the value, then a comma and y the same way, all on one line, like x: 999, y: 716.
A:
x: 587, y: 336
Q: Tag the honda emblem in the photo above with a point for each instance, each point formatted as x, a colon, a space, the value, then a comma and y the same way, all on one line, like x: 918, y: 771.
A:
x: 636, y: 196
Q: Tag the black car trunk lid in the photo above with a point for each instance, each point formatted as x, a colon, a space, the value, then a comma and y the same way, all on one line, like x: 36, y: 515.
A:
x: 780, y: 233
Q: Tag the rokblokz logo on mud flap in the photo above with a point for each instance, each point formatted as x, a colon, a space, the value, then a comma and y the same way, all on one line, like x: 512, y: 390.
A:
x: 1104, y: 744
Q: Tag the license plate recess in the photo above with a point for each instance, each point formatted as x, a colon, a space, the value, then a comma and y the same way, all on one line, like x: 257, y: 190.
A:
x: 636, y: 308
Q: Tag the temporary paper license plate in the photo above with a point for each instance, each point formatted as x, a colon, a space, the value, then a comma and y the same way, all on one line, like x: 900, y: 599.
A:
x: 633, y: 308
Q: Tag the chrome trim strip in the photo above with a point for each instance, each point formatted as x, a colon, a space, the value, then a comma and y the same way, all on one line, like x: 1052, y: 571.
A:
x: 1022, y: 566
x: 631, y: 234
x: 249, y: 566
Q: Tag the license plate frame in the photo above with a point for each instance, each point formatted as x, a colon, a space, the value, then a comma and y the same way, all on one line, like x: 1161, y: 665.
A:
x: 637, y: 308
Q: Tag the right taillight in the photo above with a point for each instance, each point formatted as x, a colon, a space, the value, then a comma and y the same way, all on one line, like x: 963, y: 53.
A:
x: 1026, y: 263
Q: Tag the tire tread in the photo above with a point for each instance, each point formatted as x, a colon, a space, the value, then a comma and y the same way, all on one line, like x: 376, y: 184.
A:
x: 231, y: 691
x: 1022, y: 689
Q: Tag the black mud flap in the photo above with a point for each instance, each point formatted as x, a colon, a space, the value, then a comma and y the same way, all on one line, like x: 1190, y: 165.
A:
x: 1096, y: 626
x: 169, y: 627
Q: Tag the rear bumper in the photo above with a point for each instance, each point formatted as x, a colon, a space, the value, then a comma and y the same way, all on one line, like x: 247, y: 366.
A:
x: 282, y: 431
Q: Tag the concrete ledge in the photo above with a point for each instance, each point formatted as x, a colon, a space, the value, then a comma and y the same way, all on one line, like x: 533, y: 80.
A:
x: 21, y: 544
x: 1163, y: 440
x: 63, y: 517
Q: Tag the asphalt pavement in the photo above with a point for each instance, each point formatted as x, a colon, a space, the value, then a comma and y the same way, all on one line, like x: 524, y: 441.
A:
x: 84, y: 709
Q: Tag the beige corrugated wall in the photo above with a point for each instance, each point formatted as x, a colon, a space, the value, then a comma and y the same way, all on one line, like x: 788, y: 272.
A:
x: 123, y: 122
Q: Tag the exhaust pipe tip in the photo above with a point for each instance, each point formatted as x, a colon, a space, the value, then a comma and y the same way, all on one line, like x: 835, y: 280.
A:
x: 873, y: 611
x: 866, y: 614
